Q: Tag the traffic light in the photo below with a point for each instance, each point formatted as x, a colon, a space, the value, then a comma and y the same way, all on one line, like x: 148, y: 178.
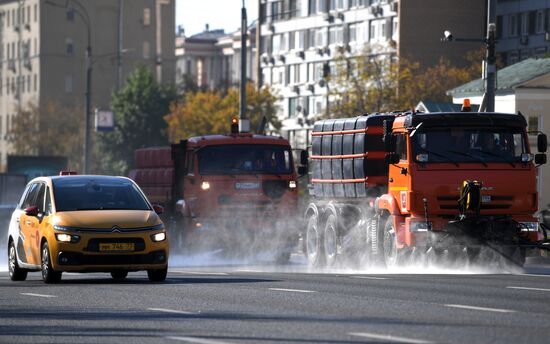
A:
x: 234, y: 125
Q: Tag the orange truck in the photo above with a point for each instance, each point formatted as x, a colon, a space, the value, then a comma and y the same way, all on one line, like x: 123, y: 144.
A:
x: 234, y: 192
x: 400, y: 187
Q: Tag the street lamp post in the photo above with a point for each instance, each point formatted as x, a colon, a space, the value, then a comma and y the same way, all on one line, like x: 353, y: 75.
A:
x: 83, y: 14
x: 489, y: 70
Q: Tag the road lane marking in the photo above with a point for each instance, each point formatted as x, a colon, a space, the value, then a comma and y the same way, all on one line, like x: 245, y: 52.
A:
x: 370, y: 277
x: 528, y: 288
x: 534, y: 275
x: 197, y: 340
x: 170, y: 311
x: 37, y: 295
x: 293, y: 290
x: 486, y: 309
x: 389, y: 338
x: 201, y: 273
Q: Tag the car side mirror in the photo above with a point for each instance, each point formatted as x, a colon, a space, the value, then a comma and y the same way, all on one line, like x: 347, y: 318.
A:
x: 392, y: 158
x: 542, y: 142
x: 31, y: 211
x: 540, y: 159
x: 302, y: 170
x: 158, y: 209
x: 304, y: 156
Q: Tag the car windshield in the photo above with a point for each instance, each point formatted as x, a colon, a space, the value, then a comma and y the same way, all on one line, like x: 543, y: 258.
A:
x: 245, y: 159
x: 469, y: 145
x: 97, y: 193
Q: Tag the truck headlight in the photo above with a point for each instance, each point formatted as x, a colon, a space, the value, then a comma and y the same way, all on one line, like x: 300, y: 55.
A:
x: 420, y: 226
x: 529, y: 226
x: 64, y: 237
x: 205, y: 185
x: 158, y: 237
x: 292, y: 184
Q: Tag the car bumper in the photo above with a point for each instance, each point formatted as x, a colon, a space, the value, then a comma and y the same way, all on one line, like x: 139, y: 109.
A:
x: 76, y: 261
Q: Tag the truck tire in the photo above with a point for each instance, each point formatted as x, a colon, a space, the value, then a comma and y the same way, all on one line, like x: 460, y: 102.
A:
x: 375, y: 235
x: 314, y: 242
x: 389, y: 244
x: 16, y: 273
x: 330, y: 240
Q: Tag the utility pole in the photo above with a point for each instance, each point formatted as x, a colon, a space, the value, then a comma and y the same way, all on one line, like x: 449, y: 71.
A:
x: 490, y: 60
x: 120, y: 44
x: 244, y: 123
x: 259, y: 75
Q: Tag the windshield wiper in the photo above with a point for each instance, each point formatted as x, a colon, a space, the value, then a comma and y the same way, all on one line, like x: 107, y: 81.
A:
x: 441, y: 156
x: 478, y: 158
x: 499, y: 156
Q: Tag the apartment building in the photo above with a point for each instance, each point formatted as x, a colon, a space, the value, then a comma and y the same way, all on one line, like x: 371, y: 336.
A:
x: 299, y: 37
x: 43, y: 46
x: 523, y: 29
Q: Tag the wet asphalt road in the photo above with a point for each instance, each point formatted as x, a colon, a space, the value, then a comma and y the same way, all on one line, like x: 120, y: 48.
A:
x: 261, y: 304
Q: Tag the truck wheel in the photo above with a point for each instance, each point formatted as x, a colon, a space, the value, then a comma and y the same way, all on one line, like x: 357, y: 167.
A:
x: 512, y: 256
x: 16, y: 273
x: 389, y: 238
x: 330, y: 241
x: 49, y: 275
x: 314, y: 242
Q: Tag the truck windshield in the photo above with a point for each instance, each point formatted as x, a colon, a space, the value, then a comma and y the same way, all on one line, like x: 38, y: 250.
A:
x: 244, y: 159
x: 97, y: 193
x: 469, y: 145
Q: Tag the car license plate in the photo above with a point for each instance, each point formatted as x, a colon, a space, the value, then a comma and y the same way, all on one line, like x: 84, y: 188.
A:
x: 119, y: 246
x: 485, y: 198
x: 247, y: 185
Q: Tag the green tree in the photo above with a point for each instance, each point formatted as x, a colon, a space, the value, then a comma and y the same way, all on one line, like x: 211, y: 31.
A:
x: 210, y: 112
x: 49, y: 130
x: 138, y: 110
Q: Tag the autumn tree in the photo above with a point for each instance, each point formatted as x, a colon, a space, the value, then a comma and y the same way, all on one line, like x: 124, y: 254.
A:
x: 375, y: 83
x: 49, y: 130
x: 138, y: 108
x: 210, y: 112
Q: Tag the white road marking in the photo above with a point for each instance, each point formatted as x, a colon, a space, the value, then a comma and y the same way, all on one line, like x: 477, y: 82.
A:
x: 197, y: 340
x: 389, y: 338
x: 169, y: 311
x: 486, y: 309
x: 370, y: 277
x: 201, y: 273
x: 534, y: 275
x: 293, y: 290
x: 527, y: 288
x: 37, y: 295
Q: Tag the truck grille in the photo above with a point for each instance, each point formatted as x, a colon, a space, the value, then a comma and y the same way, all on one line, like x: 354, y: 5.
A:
x: 497, y: 202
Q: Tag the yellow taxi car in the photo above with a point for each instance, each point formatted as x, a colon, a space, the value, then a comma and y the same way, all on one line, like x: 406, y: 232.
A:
x: 86, y: 224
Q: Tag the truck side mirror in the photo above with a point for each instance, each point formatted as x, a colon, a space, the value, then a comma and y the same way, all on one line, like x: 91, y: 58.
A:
x: 389, y: 143
x: 540, y: 159
x: 304, y: 156
x: 392, y: 158
x: 302, y: 170
x: 542, y: 143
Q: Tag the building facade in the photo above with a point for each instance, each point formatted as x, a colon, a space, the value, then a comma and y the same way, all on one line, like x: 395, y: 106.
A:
x: 522, y: 29
x: 43, y: 51
x: 298, y: 38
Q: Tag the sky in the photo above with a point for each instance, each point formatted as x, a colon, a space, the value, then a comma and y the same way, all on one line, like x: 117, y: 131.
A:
x: 219, y: 14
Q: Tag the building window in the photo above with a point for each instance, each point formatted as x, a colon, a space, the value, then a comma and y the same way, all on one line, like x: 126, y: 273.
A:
x: 533, y: 123
x: 70, y: 14
x: 321, y: 37
x: 372, y: 31
x: 525, y: 23
x: 513, y: 25
x: 146, y: 50
x: 276, y: 10
x: 35, y: 82
x: 292, y: 102
x: 539, y: 26
x: 35, y: 13
x: 69, y: 46
x: 336, y: 35
x: 69, y: 84
x: 352, y: 33
x: 146, y: 16
x: 336, y: 5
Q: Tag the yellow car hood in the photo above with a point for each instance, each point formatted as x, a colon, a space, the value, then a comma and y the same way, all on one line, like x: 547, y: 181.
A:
x: 108, y: 218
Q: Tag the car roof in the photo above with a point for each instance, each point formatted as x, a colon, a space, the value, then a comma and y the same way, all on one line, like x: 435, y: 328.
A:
x: 79, y: 177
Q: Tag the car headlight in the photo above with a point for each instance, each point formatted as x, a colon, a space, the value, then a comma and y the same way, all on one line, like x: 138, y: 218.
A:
x: 64, y: 237
x: 158, y: 237
x: 420, y: 226
x: 529, y: 226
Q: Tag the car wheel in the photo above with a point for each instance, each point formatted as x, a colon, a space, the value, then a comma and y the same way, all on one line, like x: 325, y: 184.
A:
x: 314, y: 243
x: 49, y: 275
x: 157, y: 275
x: 16, y: 273
x: 330, y: 241
x: 119, y: 275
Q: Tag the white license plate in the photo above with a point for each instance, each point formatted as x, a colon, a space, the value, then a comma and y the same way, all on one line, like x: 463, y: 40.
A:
x: 485, y: 198
x: 247, y: 185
